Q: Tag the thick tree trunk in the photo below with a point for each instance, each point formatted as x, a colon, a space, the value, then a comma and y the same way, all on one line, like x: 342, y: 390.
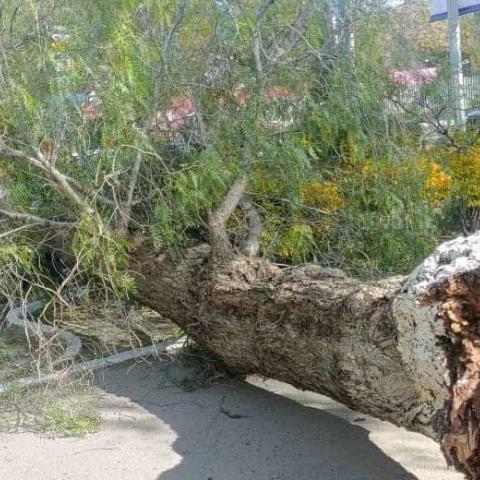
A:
x: 406, y: 349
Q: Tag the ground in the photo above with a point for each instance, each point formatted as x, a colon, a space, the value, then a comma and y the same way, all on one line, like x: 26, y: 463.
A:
x: 158, y: 426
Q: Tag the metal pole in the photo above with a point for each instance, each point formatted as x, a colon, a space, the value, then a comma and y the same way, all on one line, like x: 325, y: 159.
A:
x: 455, y: 49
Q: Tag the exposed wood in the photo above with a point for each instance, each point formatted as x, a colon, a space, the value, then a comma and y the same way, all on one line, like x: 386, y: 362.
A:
x: 218, y: 218
x: 405, y: 349
x: 255, y: 227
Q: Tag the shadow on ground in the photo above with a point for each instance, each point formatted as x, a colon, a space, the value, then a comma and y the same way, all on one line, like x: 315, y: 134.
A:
x: 236, y: 431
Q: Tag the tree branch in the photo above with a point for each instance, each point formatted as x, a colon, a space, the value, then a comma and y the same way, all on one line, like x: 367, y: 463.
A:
x: 60, y: 181
x: 95, y: 195
x: 11, y: 152
x: 126, y: 211
x: 297, y: 30
x: 217, y: 220
x: 255, y: 226
x: 257, y: 36
x: 177, y: 20
x: 262, y: 9
x: 34, y: 220
x: 64, y: 187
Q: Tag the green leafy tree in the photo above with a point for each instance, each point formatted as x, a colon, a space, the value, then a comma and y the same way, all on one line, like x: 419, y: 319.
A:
x: 134, y: 119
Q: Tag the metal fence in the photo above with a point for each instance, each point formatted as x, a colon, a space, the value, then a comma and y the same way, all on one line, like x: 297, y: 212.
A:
x: 433, y: 98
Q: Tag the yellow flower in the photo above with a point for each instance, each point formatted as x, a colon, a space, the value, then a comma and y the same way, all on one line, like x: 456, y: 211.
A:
x: 390, y: 173
x: 307, y: 140
x: 323, y: 195
x: 367, y: 168
x: 438, y: 184
x: 58, y: 46
x: 465, y: 167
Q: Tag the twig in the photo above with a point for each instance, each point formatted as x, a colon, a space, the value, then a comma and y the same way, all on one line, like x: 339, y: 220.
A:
x: 126, y: 211
x: 17, y: 317
x: 15, y: 230
x: 257, y: 36
x: 34, y: 220
x: 298, y: 28
x: 60, y: 181
x: 169, y: 346
x: 177, y: 20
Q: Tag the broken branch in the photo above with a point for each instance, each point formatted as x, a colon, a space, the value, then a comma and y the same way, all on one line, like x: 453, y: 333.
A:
x: 255, y: 226
x: 34, y: 220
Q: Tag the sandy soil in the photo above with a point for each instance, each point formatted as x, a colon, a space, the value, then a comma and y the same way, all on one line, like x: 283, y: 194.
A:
x: 155, y: 430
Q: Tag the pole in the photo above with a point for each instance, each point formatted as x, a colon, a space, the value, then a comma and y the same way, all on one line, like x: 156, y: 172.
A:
x: 455, y: 49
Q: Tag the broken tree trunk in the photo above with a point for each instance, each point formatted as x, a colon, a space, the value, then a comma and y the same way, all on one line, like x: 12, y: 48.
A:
x: 404, y: 349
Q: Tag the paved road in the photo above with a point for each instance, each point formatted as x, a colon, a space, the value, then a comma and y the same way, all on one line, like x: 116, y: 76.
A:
x: 154, y: 430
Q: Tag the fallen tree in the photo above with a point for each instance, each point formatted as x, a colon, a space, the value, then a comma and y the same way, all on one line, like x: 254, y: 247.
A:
x: 150, y: 151
x: 404, y: 349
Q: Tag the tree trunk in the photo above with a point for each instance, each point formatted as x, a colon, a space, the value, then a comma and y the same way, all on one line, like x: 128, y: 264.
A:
x: 405, y: 349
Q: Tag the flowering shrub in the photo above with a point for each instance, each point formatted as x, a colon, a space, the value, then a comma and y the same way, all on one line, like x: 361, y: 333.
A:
x: 438, y: 184
x: 465, y: 167
x: 434, y: 182
x: 325, y: 196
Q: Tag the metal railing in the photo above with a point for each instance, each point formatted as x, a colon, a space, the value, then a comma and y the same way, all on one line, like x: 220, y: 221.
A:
x: 433, y: 98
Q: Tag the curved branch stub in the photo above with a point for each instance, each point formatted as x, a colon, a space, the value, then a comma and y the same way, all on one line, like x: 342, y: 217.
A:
x: 221, y: 246
x: 255, y: 227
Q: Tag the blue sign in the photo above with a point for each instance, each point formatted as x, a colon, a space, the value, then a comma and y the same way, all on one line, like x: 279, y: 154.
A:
x: 439, y: 8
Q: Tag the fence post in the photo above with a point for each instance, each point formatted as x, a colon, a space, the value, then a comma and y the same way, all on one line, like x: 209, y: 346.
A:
x: 455, y: 49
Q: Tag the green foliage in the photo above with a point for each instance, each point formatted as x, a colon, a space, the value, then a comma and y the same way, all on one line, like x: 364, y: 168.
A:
x: 19, y: 267
x: 297, y: 243
x: 17, y: 254
x: 465, y: 169
x: 69, y: 419
x: 186, y: 199
x: 332, y: 181
x: 388, y: 217
x: 103, y: 255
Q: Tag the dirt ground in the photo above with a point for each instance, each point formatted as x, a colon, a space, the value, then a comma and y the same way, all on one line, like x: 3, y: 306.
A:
x: 155, y: 429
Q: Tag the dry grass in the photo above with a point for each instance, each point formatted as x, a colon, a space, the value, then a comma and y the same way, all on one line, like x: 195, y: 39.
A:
x: 16, y: 358
x: 62, y: 409
x: 116, y: 327
x: 54, y: 411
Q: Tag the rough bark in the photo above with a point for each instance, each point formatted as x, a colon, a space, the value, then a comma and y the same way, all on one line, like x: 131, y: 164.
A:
x: 405, y: 349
